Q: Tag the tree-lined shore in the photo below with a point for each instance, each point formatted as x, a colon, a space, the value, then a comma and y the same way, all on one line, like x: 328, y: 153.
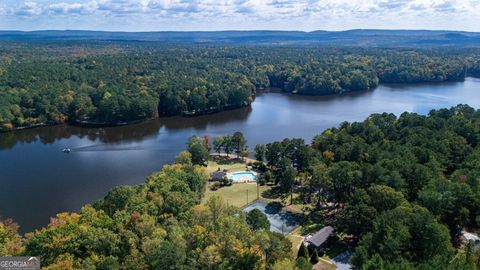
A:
x: 115, y: 83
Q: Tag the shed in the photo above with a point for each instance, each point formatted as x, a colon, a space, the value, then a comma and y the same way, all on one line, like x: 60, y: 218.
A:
x: 320, y: 238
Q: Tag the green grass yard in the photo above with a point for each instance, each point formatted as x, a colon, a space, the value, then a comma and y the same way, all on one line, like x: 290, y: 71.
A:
x: 231, y: 166
x: 296, y: 240
x: 236, y: 194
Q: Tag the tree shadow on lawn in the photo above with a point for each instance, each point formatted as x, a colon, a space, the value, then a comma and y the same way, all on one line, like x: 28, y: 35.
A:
x: 223, y: 160
x: 289, y: 218
x: 338, y: 247
x: 273, y: 193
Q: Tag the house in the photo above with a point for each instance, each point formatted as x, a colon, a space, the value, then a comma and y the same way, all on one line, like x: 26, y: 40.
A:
x: 218, y: 175
x: 320, y: 239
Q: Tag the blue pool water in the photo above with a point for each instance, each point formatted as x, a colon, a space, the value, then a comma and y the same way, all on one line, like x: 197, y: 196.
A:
x: 243, y: 176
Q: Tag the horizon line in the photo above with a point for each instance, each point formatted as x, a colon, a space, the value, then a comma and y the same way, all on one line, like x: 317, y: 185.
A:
x: 235, y: 30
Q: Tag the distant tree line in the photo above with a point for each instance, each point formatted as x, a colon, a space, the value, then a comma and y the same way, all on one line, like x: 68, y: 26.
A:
x: 115, y: 83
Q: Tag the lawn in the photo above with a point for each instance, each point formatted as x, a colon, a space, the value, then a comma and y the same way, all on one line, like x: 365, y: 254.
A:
x: 236, y: 194
x: 296, y: 207
x: 324, y: 265
x: 225, y: 164
x: 296, y: 241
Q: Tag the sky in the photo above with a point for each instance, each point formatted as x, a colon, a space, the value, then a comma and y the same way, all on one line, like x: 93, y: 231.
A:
x: 212, y: 15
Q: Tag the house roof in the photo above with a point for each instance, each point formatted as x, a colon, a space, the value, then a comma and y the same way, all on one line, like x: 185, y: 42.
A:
x: 218, y: 175
x: 321, y: 236
x: 471, y: 236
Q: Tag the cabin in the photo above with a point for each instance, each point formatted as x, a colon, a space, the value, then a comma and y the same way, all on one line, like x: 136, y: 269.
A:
x: 320, y: 239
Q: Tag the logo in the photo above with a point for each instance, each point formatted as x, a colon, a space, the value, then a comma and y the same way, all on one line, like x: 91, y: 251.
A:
x: 19, y: 263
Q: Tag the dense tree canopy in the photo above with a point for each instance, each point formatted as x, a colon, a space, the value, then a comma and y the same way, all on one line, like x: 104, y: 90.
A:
x: 157, y: 225
x: 403, y: 187
x: 10, y: 241
x: 115, y: 83
x: 198, y: 149
x: 258, y: 220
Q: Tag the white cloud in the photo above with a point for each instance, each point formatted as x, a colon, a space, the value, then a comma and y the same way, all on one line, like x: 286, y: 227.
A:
x: 73, y: 8
x: 28, y: 8
x: 258, y: 14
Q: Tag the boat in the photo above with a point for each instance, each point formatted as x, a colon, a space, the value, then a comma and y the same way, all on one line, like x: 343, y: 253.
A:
x: 66, y: 150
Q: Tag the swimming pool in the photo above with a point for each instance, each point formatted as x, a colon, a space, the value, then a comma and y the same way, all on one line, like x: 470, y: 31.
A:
x: 243, y: 177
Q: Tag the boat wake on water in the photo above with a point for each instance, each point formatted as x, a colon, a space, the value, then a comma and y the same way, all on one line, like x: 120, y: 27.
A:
x: 106, y: 148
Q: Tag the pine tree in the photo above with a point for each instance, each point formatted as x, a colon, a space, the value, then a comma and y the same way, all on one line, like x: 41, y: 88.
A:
x: 314, y: 259
x: 303, y: 251
x: 303, y: 264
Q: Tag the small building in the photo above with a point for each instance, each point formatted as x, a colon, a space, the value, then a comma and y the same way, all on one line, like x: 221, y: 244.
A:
x: 471, y: 237
x: 217, y: 176
x: 320, y: 239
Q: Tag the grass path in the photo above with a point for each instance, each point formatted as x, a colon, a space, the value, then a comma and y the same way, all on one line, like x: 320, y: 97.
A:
x: 296, y: 241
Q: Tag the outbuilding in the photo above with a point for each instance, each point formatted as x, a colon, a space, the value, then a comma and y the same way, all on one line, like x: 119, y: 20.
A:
x: 320, y: 239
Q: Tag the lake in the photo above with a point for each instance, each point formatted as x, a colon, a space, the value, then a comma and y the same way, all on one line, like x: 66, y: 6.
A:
x: 37, y: 180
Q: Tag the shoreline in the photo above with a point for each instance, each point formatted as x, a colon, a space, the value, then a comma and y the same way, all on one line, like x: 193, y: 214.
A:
x: 264, y: 91
x: 78, y: 124
x: 120, y: 124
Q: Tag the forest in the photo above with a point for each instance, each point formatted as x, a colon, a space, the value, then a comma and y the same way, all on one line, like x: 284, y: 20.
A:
x: 400, y: 188
x: 113, y: 83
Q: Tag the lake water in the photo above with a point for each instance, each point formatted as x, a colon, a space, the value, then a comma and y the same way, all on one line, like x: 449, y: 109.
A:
x: 37, y: 180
